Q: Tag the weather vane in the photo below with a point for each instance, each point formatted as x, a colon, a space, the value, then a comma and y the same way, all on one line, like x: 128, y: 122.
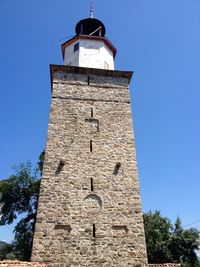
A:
x: 91, y: 9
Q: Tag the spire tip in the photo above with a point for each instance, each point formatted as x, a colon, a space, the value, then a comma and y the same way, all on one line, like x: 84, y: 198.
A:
x: 91, y: 9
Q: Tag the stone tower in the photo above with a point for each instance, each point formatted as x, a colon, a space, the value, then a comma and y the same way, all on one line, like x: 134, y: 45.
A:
x: 89, y: 211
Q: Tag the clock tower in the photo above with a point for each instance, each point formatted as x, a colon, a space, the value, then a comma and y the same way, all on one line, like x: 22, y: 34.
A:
x: 89, y: 211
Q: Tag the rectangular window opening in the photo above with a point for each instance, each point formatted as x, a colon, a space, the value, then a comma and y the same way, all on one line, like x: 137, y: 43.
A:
x: 92, y: 187
x: 94, y: 231
x: 76, y: 47
x: 91, y: 146
x: 91, y: 112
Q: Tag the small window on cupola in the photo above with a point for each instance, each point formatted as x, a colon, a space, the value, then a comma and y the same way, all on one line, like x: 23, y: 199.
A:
x: 76, y: 47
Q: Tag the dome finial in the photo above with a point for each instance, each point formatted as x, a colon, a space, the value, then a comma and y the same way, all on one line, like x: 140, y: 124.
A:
x: 91, y: 9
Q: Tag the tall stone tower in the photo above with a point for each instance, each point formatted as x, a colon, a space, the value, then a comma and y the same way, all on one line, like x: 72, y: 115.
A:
x: 89, y: 211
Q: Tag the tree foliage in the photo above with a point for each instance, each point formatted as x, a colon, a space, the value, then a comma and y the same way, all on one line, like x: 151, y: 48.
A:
x: 157, y: 232
x: 170, y: 243
x: 19, y: 196
x: 5, y: 251
x: 184, y: 244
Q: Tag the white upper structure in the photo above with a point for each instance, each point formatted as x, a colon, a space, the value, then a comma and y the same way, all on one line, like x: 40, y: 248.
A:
x: 89, y: 48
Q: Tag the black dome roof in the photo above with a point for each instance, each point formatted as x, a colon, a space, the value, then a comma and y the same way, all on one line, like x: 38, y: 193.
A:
x: 90, y: 26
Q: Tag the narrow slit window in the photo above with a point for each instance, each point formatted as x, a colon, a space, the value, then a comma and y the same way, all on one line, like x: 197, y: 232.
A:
x: 76, y: 47
x: 94, y: 231
x: 117, y: 167
x: 92, y: 187
x: 88, y: 80
x: 60, y: 167
x: 91, y: 148
x: 91, y: 112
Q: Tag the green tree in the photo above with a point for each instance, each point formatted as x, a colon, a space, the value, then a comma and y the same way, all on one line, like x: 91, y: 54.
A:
x: 19, y: 196
x: 5, y: 251
x: 157, y: 232
x: 170, y: 243
x: 184, y: 244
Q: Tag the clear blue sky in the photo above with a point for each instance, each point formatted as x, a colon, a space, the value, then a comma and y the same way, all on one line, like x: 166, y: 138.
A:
x: 159, y: 41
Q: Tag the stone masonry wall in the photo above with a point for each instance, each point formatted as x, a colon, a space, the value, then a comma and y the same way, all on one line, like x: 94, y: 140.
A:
x: 29, y: 264
x: 20, y: 264
x: 89, y: 211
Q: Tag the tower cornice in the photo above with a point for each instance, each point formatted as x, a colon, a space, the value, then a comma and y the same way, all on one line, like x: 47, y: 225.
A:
x: 89, y: 71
